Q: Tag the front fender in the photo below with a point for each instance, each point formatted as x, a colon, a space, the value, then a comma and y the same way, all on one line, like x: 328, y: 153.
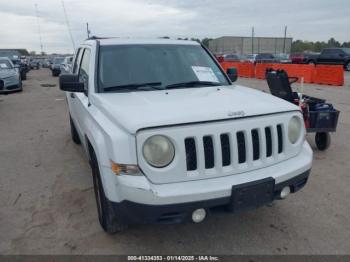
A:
x: 110, y: 143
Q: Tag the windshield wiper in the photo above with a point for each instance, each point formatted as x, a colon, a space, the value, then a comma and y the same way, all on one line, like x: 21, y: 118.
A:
x: 152, y: 85
x: 193, y: 84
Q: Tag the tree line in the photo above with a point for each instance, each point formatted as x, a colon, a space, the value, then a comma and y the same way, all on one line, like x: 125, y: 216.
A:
x: 298, y: 46
x: 302, y: 46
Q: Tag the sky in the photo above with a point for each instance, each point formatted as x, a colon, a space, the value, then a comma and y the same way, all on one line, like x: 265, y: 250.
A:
x: 311, y: 20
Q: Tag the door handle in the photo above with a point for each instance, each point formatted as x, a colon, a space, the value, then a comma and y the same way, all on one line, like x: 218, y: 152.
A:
x: 72, y: 95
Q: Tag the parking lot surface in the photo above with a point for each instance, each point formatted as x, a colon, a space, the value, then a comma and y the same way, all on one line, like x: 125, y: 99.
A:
x: 47, y: 203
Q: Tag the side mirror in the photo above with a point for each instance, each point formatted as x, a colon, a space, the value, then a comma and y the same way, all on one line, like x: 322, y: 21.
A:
x: 71, y: 83
x: 232, y: 74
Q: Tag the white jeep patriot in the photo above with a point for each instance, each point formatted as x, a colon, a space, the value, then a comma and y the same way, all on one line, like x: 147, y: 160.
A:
x: 171, y: 139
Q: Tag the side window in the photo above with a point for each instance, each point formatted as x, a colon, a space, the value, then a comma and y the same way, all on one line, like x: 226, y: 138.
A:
x: 339, y: 52
x: 77, y: 61
x: 84, y: 69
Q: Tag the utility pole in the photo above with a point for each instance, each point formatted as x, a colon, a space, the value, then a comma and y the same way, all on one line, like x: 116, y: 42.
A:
x: 253, y: 40
x: 68, y: 26
x: 88, y: 30
x: 284, y: 40
x: 39, y: 29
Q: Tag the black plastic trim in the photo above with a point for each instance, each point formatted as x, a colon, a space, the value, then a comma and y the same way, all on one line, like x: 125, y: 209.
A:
x: 136, y: 213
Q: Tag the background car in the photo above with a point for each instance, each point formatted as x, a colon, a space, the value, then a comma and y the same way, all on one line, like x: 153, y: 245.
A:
x: 66, y: 66
x: 265, y: 58
x: 335, y: 56
x: 56, y: 66
x: 232, y: 58
x: 250, y: 58
x: 283, y: 58
x: 10, y: 78
x: 34, y: 64
x: 304, y: 58
x: 22, y: 67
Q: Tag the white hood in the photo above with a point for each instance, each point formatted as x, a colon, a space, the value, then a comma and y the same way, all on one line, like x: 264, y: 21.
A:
x: 143, y: 109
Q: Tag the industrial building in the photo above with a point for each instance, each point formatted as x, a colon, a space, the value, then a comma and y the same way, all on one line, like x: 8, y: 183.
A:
x: 249, y: 45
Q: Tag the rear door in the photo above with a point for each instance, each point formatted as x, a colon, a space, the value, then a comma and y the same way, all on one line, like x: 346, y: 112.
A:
x: 338, y: 56
x: 325, y: 57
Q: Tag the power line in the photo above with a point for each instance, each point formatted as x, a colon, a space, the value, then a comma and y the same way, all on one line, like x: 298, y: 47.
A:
x: 39, y: 29
x: 68, y: 25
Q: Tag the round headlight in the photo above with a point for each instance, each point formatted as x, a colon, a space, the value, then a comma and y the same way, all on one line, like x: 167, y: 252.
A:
x: 294, y: 129
x: 158, y: 151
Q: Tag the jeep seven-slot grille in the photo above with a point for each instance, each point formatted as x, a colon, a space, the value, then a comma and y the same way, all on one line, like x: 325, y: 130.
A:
x: 259, y: 138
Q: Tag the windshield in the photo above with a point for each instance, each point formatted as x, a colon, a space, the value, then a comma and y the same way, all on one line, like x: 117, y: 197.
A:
x: 161, y: 65
x: 58, y: 60
x: 5, y: 64
x: 347, y: 50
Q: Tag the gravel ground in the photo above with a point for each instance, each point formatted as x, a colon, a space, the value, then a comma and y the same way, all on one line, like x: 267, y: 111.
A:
x: 47, y: 203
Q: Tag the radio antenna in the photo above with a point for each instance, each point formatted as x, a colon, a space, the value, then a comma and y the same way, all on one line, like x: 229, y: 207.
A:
x: 68, y: 25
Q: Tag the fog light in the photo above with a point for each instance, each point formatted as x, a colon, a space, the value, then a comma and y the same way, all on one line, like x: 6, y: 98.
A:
x: 285, y: 192
x: 198, y: 215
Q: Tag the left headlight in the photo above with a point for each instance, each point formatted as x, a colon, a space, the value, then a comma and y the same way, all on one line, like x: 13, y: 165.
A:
x: 294, y: 129
x: 158, y: 151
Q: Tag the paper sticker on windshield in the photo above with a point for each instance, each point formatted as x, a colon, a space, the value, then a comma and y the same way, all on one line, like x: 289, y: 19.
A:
x: 3, y: 66
x: 205, y: 74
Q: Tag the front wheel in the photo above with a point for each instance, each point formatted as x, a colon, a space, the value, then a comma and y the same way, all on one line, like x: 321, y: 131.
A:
x: 312, y: 63
x: 323, y: 141
x: 106, y: 214
x: 347, y: 66
x: 20, y: 85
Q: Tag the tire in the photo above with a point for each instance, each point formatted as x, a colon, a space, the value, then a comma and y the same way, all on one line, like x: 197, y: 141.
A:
x: 74, y: 132
x: 322, y: 141
x: 106, y: 215
x: 347, y: 66
x: 20, y: 85
x: 311, y: 62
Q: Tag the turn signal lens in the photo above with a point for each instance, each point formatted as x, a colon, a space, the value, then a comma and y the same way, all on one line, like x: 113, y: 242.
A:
x: 120, y: 169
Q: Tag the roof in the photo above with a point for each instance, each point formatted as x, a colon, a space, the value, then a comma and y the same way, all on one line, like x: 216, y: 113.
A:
x: 138, y: 41
x: 5, y: 58
x: 11, y: 52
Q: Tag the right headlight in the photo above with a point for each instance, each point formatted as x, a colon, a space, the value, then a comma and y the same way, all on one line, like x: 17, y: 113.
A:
x: 158, y: 151
x: 294, y: 129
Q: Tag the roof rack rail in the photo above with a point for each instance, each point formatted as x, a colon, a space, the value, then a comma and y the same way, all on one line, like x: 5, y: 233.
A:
x: 99, y: 37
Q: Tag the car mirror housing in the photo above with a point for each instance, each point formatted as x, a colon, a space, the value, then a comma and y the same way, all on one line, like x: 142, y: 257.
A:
x: 71, y: 83
x: 232, y: 74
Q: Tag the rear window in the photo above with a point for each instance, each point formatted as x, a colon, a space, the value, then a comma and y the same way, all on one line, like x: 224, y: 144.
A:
x: 347, y: 50
x: 58, y: 60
